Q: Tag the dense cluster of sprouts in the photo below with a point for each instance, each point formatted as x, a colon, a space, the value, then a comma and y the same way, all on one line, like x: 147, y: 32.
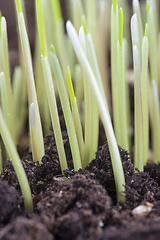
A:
x: 88, y: 36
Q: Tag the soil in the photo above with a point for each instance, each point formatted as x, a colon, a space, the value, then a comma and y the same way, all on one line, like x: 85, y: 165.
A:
x: 85, y: 206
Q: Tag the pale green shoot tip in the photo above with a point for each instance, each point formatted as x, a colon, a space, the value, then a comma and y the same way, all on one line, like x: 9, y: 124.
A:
x: 3, y: 24
x: 84, y: 25
x: 121, y: 27
x: 53, y: 49
x: 18, y: 6
x: 146, y: 30
x: 147, y: 6
x: 115, y: 5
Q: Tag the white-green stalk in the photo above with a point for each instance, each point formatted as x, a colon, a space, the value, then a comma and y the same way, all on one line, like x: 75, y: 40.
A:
x: 91, y: 18
x: 137, y: 10
x: 127, y: 93
x: 50, y: 89
x: 88, y: 109
x: 48, y: 22
x: 145, y: 50
x: 30, y: 80
x: 18, y: 106
x: 122, y: 119
x: 6, y: 70
x: 91, y: 55
x: 76, y: 116
x: 103, y: 31
x: 66, y: 111
x: 78, y: 84
x: 114, y: 74
x: 153, y: 43
x: 40, y: 88
x: 4, y: 99
x: 139, y: 141
x: 138, y: 110
x: 77, y: 12
x: 21, y: 175
x: 155, y: 120
x: 60, y: 44
x: 115, y: 156
x: 33, y: 133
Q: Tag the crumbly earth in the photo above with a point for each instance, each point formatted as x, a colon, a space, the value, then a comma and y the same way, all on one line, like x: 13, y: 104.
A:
x: 83, y: 206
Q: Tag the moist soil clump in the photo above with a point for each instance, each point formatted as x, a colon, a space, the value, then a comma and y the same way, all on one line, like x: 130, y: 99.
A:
x: 80, y: 205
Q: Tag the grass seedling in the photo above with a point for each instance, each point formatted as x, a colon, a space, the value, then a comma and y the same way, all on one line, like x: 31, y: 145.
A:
x: 21, y: 175
x: 88, y: 108
x: 18, y: 104
x: 114, y: 74
x: 66, y: 111
x: 139, y: 141
x: 50, y: 89
x: 76, y: 116
x: 60, y: 40
x: 122, y: 112
x: 137, y: 10
x: 78, y: 85
x: 145, y: 50
x: 153, y: 42
x: 5, y: 66
x: 155, y: 119
x: 104, y: 113
x: 30, y: 81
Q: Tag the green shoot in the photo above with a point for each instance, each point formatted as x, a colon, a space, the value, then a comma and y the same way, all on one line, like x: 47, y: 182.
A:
x: 137, y: 10
x: 16, y: 164
x: 138, y: 151
x: 114, y: 74
x: 31, y: 84
x: 50, y: 90
x: 155, y: 120
x: 88, y: 109
x: 66, y: 110
x: 103, y: 31
x: 153, y: 43
x: 18, y: 106
x: 145, y: 50
x: 104, y: 114
x: 5, y: 62
x: 33, y: 133
x: 78, y: 83
x: 76, y: 116
x: 123, y: 141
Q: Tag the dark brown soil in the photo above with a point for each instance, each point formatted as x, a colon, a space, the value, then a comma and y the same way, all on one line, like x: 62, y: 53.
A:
x: 85, y: 206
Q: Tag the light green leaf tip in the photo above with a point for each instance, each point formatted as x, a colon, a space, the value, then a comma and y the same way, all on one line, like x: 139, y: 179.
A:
x: 115, y: 5
x: 70, y: 86
x: 146, y: 30
x: 120, y: 27
x: 148, y: 6
x: 53, y: 49
x: 18, y: 6
x: 84, y: 25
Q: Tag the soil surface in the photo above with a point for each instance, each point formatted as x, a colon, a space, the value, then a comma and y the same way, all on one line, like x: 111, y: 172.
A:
x: 85, y: 206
